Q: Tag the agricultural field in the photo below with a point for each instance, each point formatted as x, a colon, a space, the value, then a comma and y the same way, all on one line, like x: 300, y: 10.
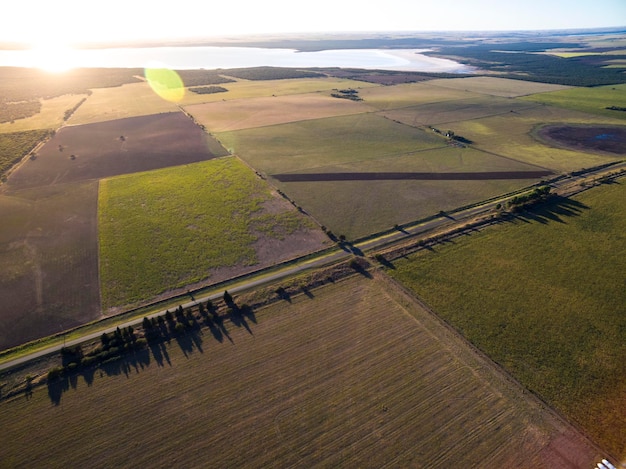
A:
x: 244, y: 89
x: 130, y: 100
x: 513, y: 137
x: 494, y: 86
x: 354, y: 374
x: 224, y: 116
x: 412, y: 94
x: 299, y: 146
x: 122, y: 146
x: 167, y: 229
x: 592, y: 100
x: 359, y: 145
x: 49, y: 236
x: 550, y: 312
x: 442, y: 112
x: 49, y: 257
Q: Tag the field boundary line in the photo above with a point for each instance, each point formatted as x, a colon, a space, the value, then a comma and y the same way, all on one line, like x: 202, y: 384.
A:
x: 499, y: 370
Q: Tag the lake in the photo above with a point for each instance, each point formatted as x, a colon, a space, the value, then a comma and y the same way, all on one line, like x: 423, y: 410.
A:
x: 186, y: 57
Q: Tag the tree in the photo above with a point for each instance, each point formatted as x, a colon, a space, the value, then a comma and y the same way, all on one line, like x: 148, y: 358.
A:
x: 228, y: 299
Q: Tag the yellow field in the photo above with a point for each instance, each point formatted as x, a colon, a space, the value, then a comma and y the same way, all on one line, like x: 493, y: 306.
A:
x: 354, y: 375
x: 136, y: 99
x: 224, y: 116
x: 256, y: 89
x: 411, y: 94
x: 50, y: 116
x: 497, y: 86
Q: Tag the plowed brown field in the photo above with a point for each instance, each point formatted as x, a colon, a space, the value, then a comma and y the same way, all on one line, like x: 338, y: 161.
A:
x: 355, y: 374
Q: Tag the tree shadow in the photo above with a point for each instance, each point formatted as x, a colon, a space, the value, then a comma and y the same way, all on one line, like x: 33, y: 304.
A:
x: 306, y: 291
x: 282, y: 293
x: 556, y: 209
x: 360, y: 266
x: 189, y: 340
x: 238, y: 319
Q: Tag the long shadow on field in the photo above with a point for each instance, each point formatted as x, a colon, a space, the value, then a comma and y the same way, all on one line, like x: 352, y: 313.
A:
x: 190, y: 340
x: 238, y: 317
x: 557, y: 209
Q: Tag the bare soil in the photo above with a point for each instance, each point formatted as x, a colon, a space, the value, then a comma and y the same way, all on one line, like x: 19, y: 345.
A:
x: 380, y: 176
x: 122, y: 146
x: 49, y: 257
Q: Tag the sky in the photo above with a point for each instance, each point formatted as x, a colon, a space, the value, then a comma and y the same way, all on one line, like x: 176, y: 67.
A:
x: 73, y: 21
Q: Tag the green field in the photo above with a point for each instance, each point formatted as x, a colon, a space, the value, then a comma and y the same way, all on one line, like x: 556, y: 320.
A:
x: 544, y: 296
x: 369, y: 143
x: 168, y: 228
x: 593, y: 100
x: 354, y: 374
x: 311, y: 144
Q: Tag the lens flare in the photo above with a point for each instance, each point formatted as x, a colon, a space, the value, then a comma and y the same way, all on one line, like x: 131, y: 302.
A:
x: 165, y: 83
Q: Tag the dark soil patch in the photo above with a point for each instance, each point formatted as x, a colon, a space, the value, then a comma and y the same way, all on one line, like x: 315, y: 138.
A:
x: 478, y: 176
x: 121, y: 146
x: 49, y: 257
x: 604, y: 139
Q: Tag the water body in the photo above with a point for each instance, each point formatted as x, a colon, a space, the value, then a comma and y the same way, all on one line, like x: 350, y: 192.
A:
x: 210, y: 58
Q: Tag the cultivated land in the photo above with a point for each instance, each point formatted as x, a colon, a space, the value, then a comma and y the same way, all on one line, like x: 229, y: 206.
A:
x: 122, y: 146
x: 192, y: 225
x: 494, y: 86
x: 368, y: 143
x: 244, y: 89
x: 512, y: 137
x: 591, y: 100
x: 48, y: 242
x: 355, y: 375
x: 549, y: 311
x: 49, y: 257
x: 225, y: 116
x: 130, y: 100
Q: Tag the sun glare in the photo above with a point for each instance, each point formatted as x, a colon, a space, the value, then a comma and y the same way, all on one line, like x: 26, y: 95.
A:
x: 52, y: 57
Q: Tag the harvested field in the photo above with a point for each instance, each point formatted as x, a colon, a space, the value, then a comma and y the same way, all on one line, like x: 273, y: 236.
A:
x: 225, y: 116
x: 116, y: 147
x: 132, y: 100
x: 49, y: 257
x: 399, y: 96
x: 269, y: 88
x: 352, y: 376
x: 586, y: 138
x: 433, y: 114
x: 495, y: 86
x: 544, y: 296
x: 195, y: 224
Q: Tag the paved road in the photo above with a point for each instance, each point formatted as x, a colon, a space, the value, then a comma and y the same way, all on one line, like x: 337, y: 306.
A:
x: 266, y: 277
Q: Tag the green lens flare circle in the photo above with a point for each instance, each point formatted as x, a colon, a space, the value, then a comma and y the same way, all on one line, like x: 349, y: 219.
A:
x: 165, y: 83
